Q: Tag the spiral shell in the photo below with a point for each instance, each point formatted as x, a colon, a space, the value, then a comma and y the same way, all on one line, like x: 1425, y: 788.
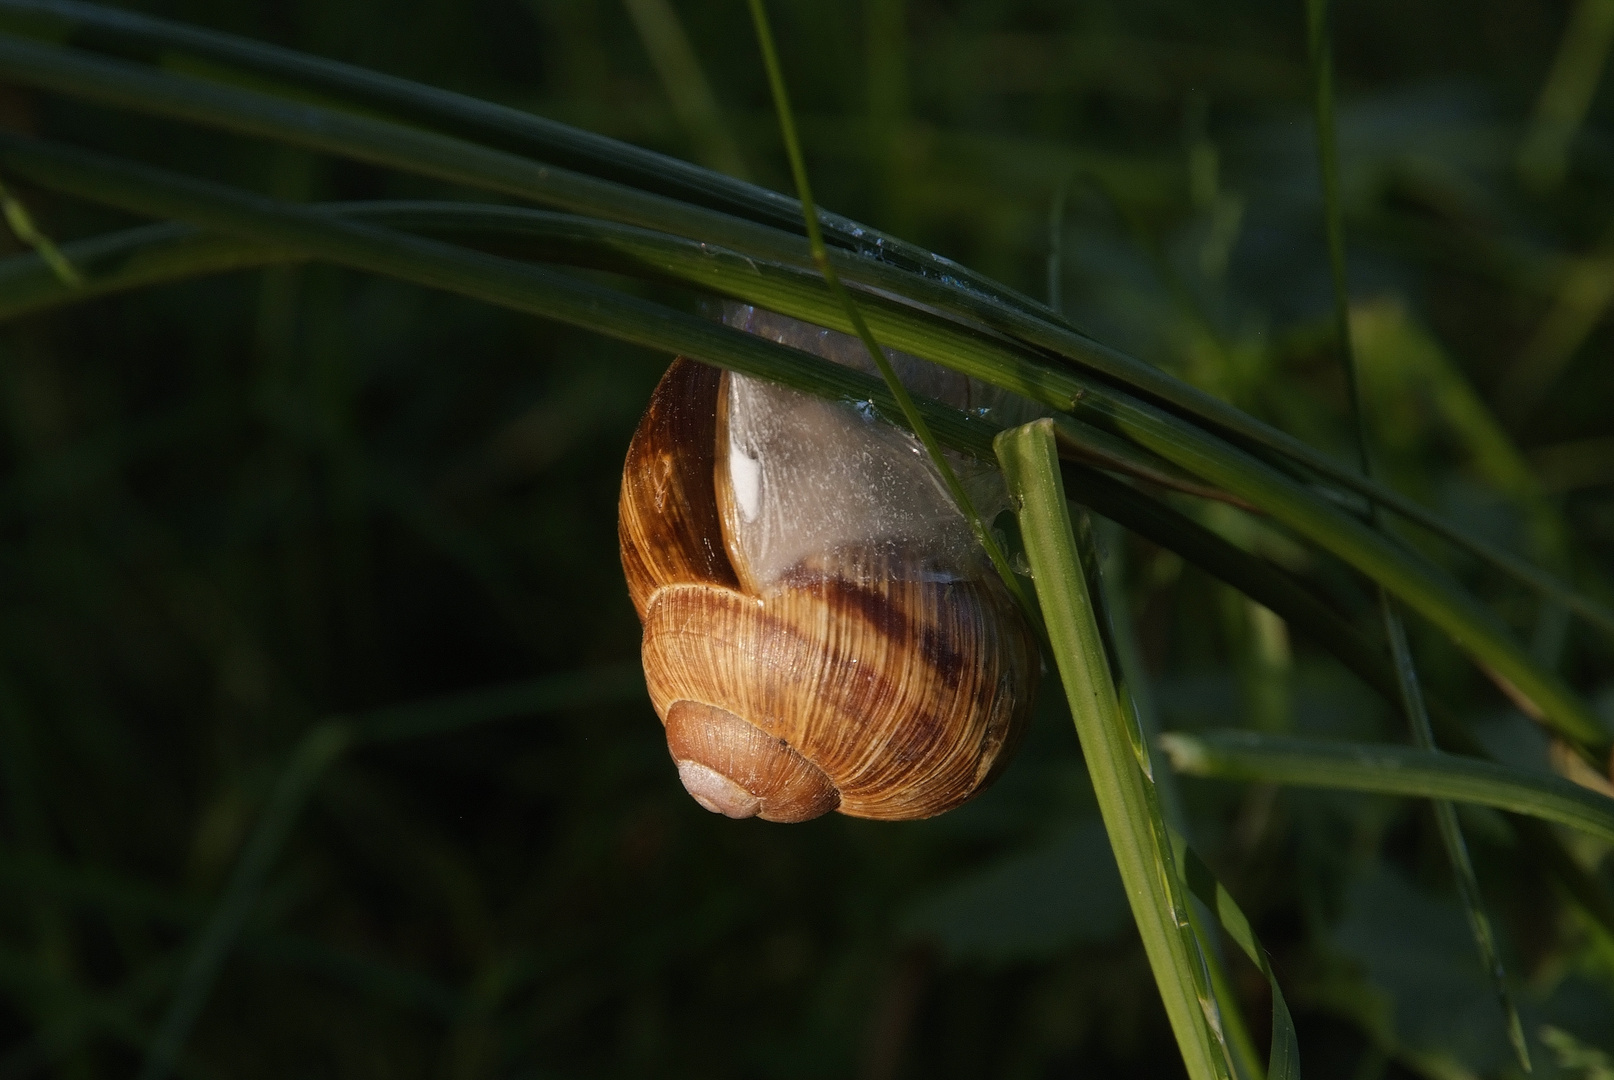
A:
x: 820, y: 651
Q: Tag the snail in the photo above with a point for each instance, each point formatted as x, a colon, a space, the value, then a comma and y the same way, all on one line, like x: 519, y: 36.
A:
x: 821, y: 631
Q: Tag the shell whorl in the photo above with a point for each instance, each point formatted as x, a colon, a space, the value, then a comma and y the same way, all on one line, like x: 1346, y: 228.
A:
x: 850, y: 684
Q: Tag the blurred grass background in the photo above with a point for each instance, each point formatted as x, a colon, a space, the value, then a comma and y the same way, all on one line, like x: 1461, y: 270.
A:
x: 298, y: 522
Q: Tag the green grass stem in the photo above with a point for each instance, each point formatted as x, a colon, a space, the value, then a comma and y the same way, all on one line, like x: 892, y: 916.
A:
x: 1138, y: 832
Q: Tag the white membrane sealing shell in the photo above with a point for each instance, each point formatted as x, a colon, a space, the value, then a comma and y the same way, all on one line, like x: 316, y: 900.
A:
x: 813, y: 479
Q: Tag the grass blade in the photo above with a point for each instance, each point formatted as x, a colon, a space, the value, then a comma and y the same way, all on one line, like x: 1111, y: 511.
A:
x: 1422, y: 586
x: 1567, y: 94
x: 895, y: 268
x: 815, y: 240
x: 207, y: 954
x: 518, y: 286
x: 1411, y: 693
x: 531, y: 289
x: 1283, y: 1058
x: 23, y: 228
x: 662, y: 34
x: 313, y: 757
x: 1136, y: 697
x: 1131, y: 813
x: 496, y: 125
x: 1390, y: 770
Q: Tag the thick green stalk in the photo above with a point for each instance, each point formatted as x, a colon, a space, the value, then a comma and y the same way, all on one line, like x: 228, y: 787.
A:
x: 1390, y: 770
x: 1137, y: 830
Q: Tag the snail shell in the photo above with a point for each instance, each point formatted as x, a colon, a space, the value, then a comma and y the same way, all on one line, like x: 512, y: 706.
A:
x: 820, y: 631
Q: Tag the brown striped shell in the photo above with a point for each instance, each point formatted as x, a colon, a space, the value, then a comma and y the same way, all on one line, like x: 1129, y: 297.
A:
x: 856, y: 680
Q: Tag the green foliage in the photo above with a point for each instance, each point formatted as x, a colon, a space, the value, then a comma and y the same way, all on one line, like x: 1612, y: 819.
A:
x: 322, y: 748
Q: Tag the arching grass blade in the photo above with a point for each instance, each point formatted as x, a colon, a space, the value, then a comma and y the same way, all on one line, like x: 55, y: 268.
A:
x: 1390, y: 770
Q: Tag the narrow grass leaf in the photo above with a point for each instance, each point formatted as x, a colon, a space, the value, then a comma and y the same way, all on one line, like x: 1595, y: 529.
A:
x: 23, y: 228
x: 815, y: 239
x: 1283, y: 1058
x: 1391, y: 770
x: 1421, y: 585
x: 895, y: 268
x: 507, y: 283
x: 688, y: 91
x: 1135, y: 695
x: 314, y: 755
x: 1320, y: 47
x: 531, y: 289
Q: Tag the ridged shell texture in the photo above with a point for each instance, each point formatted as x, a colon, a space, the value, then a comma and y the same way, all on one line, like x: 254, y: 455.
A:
x: 853, y: 684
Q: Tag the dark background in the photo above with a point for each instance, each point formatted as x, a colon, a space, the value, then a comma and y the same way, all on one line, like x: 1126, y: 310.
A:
x: 233, y: 509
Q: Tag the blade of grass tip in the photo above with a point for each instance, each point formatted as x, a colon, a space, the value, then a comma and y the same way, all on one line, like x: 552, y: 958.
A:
x: 1389, y: 769
x: 123, y: 260
x: 1566, y: 94
x: 1283, y: 1056
x: 1412, y: 703
x: 313, y: 757
x: 815, y: 240
x: 23, y: 228
x: 1138, y: 833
